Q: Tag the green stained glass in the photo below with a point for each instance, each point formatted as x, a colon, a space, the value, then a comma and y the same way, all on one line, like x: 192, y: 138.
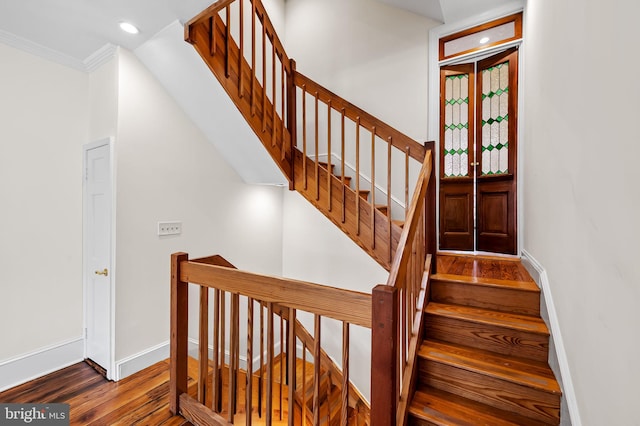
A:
x: 495, y: 118
x: 456, y: 125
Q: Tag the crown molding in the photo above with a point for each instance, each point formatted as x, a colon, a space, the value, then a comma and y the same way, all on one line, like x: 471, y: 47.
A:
x: 100, y: 57
x: 91, y: 63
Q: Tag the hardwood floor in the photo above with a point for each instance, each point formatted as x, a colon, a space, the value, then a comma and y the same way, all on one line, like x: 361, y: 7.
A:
x: 141, y: 399
x: 500, y: 268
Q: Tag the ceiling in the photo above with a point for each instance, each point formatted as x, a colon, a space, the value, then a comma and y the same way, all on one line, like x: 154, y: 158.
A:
x: 76, y: 29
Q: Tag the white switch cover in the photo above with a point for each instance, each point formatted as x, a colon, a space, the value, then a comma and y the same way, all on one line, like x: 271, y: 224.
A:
x: 169, y: 228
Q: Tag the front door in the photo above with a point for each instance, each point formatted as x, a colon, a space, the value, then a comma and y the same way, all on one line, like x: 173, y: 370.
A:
x: 98, y: 271
x: 478, y: 146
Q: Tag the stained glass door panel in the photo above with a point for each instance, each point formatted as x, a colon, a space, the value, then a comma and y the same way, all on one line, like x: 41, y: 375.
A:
x: 456, y: 155
x: 496, y: 146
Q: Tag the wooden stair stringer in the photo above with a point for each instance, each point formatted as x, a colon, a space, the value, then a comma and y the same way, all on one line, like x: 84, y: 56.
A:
x: 357, y: 227
x: 251, y: 106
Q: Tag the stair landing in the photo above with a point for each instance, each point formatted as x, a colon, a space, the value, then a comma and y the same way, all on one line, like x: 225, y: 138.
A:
x: 488, y: 267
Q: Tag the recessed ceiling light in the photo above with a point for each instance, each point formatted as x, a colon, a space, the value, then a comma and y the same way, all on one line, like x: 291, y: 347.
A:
x: 484, y: 40
x: 129, y: 28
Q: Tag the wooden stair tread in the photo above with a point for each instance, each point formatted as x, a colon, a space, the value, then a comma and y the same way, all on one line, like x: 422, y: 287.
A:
x: 524, y: 323
x: 488, y: 282
x: 527, y: 373
x: 399, y: 223
x: 446, y: 409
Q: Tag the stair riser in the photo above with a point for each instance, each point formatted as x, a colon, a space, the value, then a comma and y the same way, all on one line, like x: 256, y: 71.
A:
x: 487, y: 337
x: 501, y: 394
x: 496, y: 298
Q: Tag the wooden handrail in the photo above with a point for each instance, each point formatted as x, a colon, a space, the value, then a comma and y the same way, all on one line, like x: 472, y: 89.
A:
x: 384, y: 131
x: 342, y: 305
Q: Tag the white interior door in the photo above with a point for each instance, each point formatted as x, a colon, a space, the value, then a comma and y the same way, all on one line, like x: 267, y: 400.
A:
x: 97, y: 250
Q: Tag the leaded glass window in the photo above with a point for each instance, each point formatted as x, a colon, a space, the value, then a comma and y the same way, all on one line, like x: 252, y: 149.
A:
x: 495, y: 120
x: 456, y: 126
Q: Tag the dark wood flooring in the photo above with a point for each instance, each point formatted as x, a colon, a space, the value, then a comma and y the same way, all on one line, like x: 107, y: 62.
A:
x: 141, y: 399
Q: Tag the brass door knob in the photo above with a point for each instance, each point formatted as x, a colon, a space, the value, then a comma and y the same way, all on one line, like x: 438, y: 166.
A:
x: 104, y: 272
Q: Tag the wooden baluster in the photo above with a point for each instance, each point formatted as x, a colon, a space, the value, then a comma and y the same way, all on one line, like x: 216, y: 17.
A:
x: 223, y: 334
x: 358, y: 175
x: 203, y: 345
x: 261, y: 378
x: 253, y: 57
x: 304, y: 134
x: 389, y: 145
x: 316, y: 370
x: 212, y: 35
x: 373, y: 187
x: 291, y: 365
x: 344, y: 189
x: 241, y: 49
x: 282, y: 366
x: 282, y: 108
x: 217, y: 382
x: 233, y: 349
x: 344, y: 413
x: 179, y: 333
x: 274, y: 96
x: 327, y: 397
x: 269, y: 381
x: 264, y: 77
x: 406, y: 182
x: 227, y: 59
x: 249, y: 381
x: 329, y: 154
x: 317, y: 161
x: 304, y: 384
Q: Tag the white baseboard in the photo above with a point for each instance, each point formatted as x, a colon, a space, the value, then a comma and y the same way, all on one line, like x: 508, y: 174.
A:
x: 148, y: 357
x: 24, y: 368
x: 568, y: 390
x: 137, y: 362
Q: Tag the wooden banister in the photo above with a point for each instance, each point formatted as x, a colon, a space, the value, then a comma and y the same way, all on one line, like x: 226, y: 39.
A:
x: 342, y: 305
x: 282, y: 298
x: 384, y: 131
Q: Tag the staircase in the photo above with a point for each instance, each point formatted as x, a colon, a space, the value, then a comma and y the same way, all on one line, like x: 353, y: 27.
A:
x: 484, y: 355
x: 309, y: 131
x: 448, y: 348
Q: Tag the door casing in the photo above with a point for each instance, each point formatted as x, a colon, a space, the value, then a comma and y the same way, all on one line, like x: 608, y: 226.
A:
x: 433, y: 129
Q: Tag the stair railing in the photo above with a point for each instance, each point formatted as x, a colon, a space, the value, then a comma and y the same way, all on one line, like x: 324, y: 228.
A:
x: 298, y: 120
x: 398, y: 307
x: 269, y: 311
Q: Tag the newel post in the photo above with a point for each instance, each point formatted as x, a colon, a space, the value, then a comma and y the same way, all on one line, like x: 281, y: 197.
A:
x: 430, y: 208
x: 179, y: 333
x: 384, y: 355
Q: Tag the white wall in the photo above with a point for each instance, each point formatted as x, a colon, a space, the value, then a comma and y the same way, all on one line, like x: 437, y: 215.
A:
x: 167, y: 170
x: 581, y: 202
x: 369, y: 53
x: 103, y: 101
x: 316, y: 250
x: 43, y: 125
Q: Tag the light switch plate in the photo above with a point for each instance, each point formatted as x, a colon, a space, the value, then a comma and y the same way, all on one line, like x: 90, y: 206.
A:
x: 170, y: 228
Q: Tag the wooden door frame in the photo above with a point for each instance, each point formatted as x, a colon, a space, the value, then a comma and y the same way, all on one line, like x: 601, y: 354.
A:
x: 433, y: 131
x: 111, y: 367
